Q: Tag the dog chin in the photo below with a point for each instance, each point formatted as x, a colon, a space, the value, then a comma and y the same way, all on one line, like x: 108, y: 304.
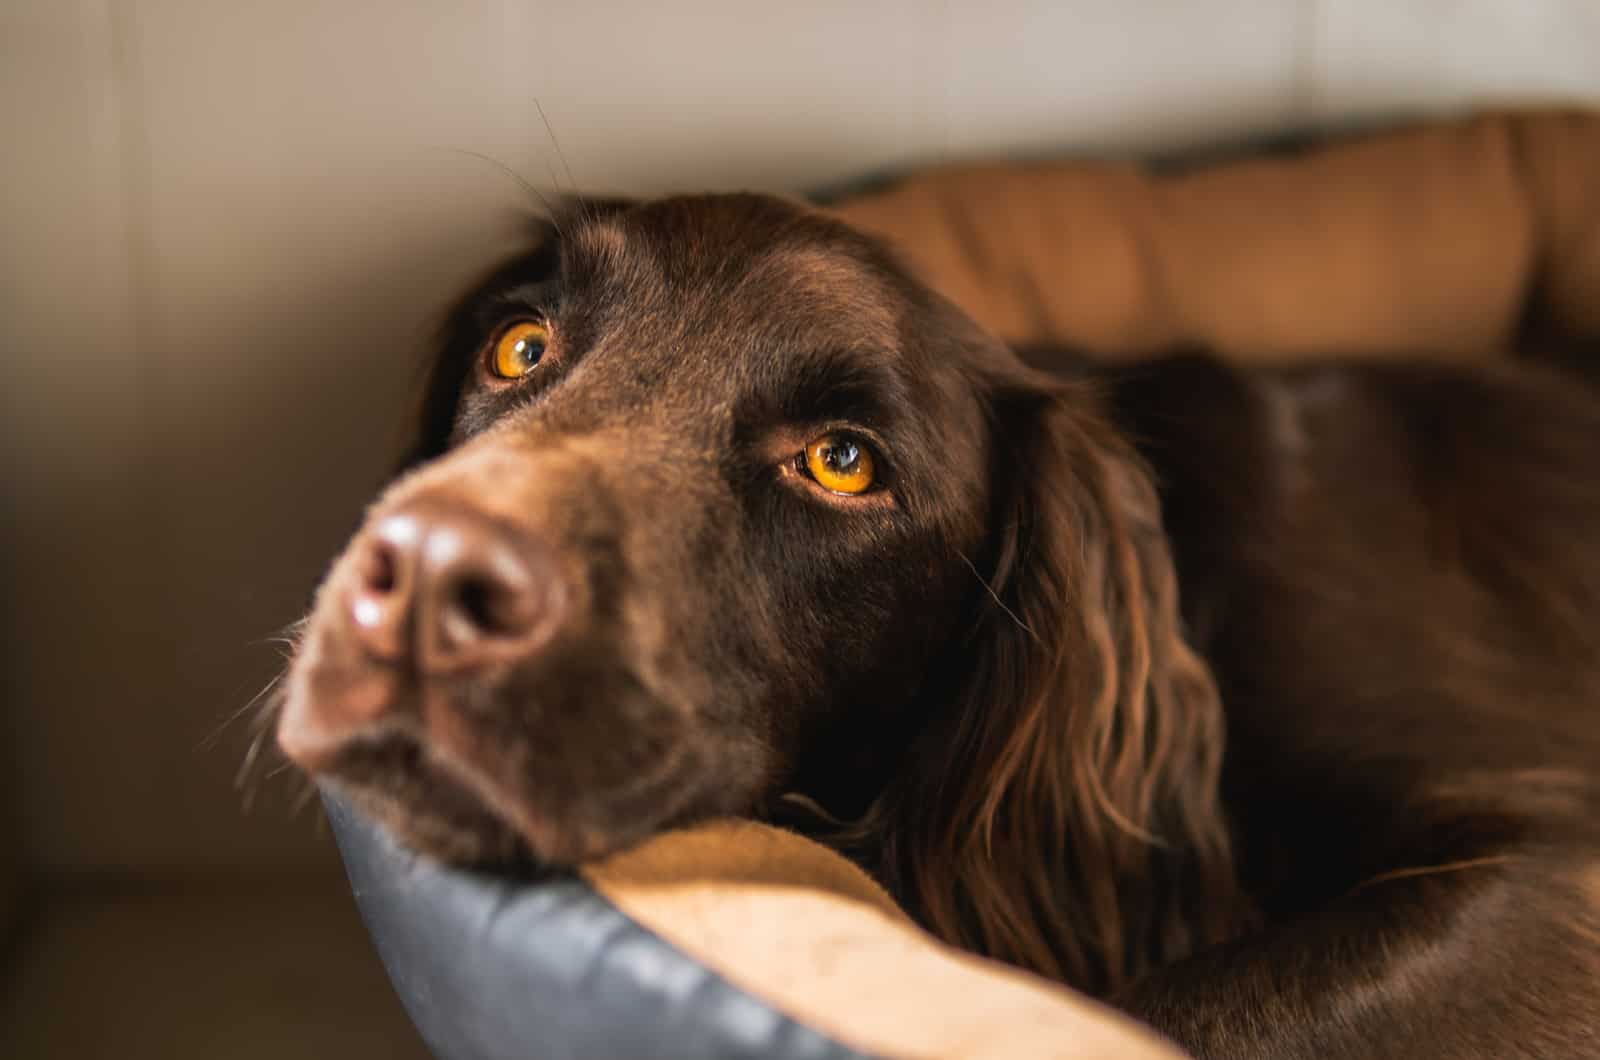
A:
x: 458, y: 816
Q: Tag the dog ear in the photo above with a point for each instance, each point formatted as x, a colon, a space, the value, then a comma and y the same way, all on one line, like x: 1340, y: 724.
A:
x: 1061, y: 809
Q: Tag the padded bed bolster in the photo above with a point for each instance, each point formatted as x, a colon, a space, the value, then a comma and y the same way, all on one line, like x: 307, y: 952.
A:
x: 491, y: 968
x: 1449, y: 237
x: 733, y: 939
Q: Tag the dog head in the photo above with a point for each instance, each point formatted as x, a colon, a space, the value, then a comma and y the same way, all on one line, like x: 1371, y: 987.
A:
x: 697, y: 484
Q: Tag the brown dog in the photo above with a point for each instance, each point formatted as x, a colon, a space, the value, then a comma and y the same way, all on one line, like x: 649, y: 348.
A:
x: 1267, y: 705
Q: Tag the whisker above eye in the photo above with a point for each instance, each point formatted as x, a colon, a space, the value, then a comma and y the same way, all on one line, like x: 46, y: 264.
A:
x: 572, y: 182
x: 548, y: 210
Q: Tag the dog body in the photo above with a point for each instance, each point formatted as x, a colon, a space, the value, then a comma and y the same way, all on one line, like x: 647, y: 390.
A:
x: 1392, y: 570
x: 1262, y: 703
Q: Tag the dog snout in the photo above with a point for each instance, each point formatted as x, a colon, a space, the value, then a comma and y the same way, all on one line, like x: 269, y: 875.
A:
x: 446, y: 590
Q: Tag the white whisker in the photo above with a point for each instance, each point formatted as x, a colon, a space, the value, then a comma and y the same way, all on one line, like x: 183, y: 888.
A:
x: 996, y: 597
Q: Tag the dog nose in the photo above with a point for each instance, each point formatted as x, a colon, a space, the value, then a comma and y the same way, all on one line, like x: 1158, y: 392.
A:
x: 451, y: 590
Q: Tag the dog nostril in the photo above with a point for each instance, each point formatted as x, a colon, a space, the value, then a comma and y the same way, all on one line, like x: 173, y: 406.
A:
x: 485, y: 606
x: 378, y: 568
x: 378, y: 605
x: 489, y: 606
x: 376, y: 579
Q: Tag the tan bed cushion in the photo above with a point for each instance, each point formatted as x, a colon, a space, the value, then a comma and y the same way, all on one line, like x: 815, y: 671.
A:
x: 1432, y: 239
x: 795, y: 924
x: 1448, y: 239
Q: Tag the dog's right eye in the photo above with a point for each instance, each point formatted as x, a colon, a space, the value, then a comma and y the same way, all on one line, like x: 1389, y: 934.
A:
x: 519, y: 349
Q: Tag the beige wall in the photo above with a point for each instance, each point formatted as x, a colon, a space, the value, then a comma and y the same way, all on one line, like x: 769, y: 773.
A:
x: 226, y: 228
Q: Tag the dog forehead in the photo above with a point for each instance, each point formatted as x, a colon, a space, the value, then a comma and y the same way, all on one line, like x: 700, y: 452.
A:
x: 755, y: 263
x: 712, y: 315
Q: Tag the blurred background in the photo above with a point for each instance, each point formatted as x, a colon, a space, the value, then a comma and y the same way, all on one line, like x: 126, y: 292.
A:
x: 226, y: 231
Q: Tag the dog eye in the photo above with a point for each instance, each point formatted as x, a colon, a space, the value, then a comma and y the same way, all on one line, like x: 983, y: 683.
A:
x: 518, y: 349
x: 839, y: 463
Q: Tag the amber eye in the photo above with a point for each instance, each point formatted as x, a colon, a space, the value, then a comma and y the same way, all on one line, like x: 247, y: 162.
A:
x: 518, y: 349
x: 840, y: 464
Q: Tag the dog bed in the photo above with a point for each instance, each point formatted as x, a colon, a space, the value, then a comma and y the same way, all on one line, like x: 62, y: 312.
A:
x: 733, y: 939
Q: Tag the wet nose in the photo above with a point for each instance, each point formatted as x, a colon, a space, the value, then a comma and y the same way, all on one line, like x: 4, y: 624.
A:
x: 450, y: 590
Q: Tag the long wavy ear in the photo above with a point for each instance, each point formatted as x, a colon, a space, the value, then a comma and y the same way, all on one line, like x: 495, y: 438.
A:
x: 1060, y: 811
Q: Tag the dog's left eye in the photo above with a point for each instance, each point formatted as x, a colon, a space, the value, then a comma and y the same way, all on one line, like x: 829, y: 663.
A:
x: 519, y: 348
x: 840, y: 463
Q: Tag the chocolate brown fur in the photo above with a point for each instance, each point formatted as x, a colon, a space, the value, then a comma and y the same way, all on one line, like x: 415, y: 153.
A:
x: 1266, y: 704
